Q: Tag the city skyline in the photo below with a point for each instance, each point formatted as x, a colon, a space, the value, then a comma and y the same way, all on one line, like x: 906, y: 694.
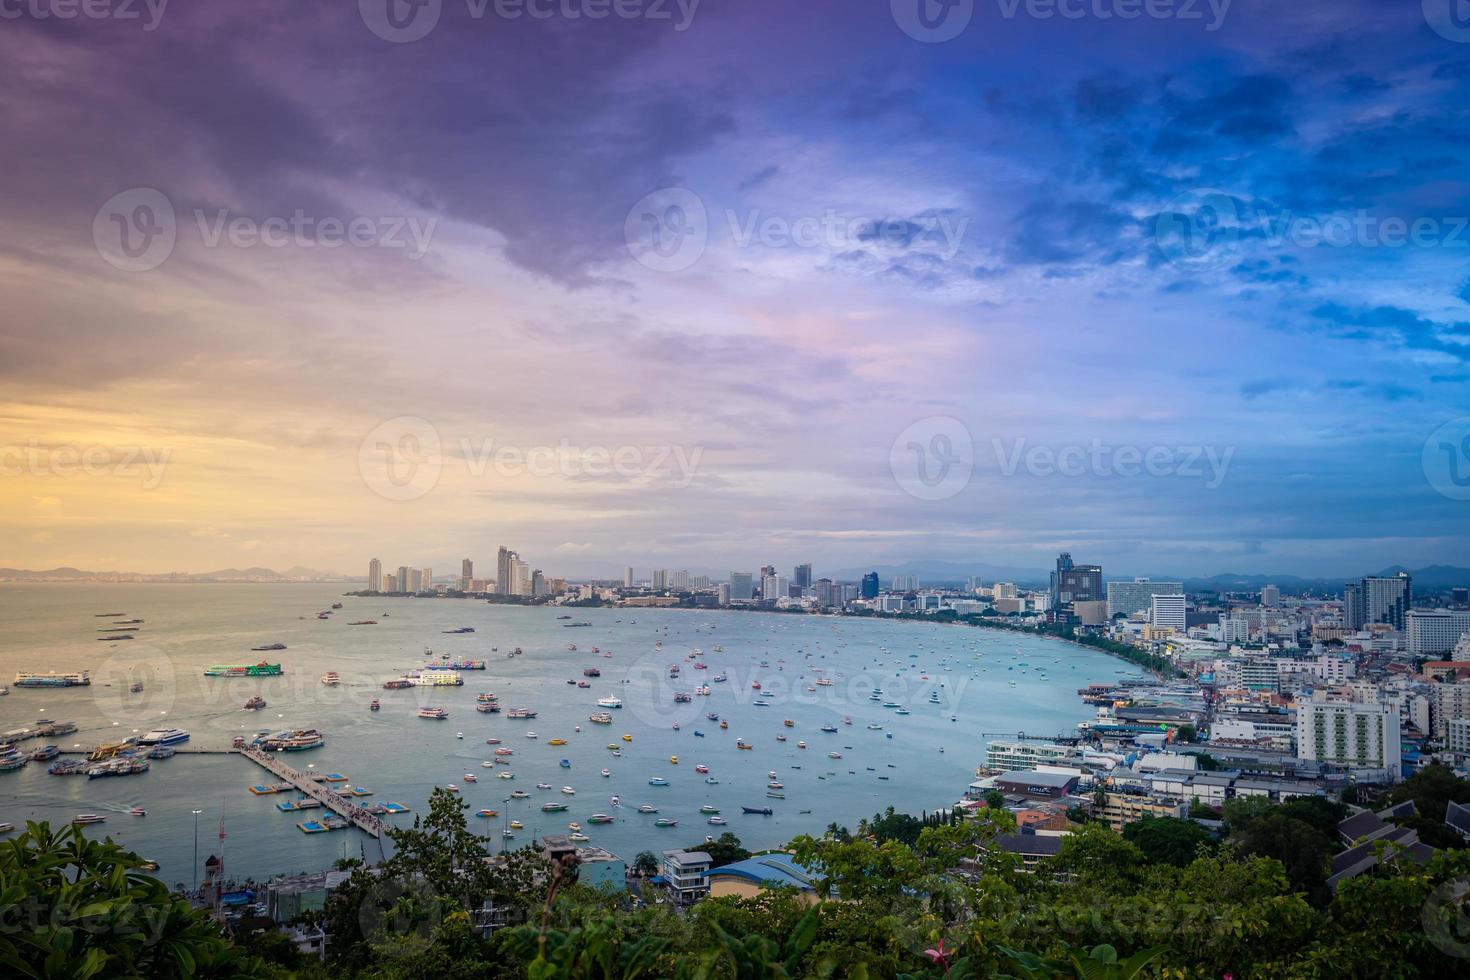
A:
x: 919, y: 265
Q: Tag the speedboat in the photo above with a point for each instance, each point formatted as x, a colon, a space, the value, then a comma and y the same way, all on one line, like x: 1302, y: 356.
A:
x: 702, y: 768
x: 568, y: 791
x: 470, y: 777
x: 543, y: 786
x: 658, y: 781
x: 648, y: 808
x: 606, y: 772
x: 717, y: 821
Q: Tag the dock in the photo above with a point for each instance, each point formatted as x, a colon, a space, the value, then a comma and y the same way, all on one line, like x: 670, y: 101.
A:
x: 344, y: 807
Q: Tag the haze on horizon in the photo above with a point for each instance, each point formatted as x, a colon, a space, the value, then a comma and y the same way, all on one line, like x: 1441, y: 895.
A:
x: 745, y: 284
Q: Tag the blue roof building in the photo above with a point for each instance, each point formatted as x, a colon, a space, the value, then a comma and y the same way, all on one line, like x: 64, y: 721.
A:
x: 747, y: 878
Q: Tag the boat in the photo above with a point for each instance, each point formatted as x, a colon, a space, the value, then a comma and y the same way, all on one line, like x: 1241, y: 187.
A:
x: 555, y: 807
x: 780, y: 737
x: 519, y: 794
x: 658, y: 781
x: 532, y: 735
x: 363, y: 622
x: 82, y: 819
x: 268, y: 648
x: 45, y: 754
x: 164, y: 736
x: 599, y: 818
x: 606, y: 773
x: 829, y: 728
x: 470, y: 777
x: 161, y: 752
x: 701, y: 768
x: 834, y: 755
x: 574, y: 826
x: 665, y: 822
x: 600, y: 718
x: 261, y: 669
x: 762, y: 810
x: 712, y: 781
x: 505, y: 751
x: 543, y: 786
x: 53, y: 678
x: 517, y: 825
x: 673, y: 760
x: 295, y: 740
x: 374, y: 706
x: 489, y: 813
x: 520, y: 713
x: 741, y: 743
x: 135, y: 688
x: 556, y: 741
x: 724, y: 724
x: 648, y: 808
x: 578, y: 836
x: 627, y: 738
x: 707, y: 809
x: 902, y: 711
x: 775, y: 794
x: 436, y: 714
x: 505, y: 775
x: 566, y: 763
x: 717, y: 821
x: 789, y: 723
x: 397, y: 684
x: 801, y: 745
x: 609, y: 702
x: 775, y: 784
x: 331, y: 678
x: 258, y: 702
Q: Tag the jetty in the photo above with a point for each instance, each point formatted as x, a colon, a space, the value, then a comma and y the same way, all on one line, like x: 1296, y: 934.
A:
x: 311, y: 787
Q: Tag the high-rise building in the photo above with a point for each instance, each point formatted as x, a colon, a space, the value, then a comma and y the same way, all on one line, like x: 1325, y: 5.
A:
x: 628, y: 577
x: 679, y: 579
x: 426, y: 580
x: 504, y: 584
x: 659, y: 578
x: 726, y: 593
x: 870, y: 585
x: 1007, y: 590
x: 742, y: 586
x: 1270, y: 596
x: 466, y: 574
x: 775, y: 587
x: 1234, y: 630
x: 1435, y: 630
x: 905, y: 583
x: 375, y: 576
x: 826, y: 597
x: 1132, y: 597
x: 1354, y: 734
x: 390, y: 583
x: 1074, y: 583
x: 1167, y: 612
x: 700, y: 582
x: 1377, y: 600
x: 538, y: 583
x: 801, y: 575
x: 405, y: 580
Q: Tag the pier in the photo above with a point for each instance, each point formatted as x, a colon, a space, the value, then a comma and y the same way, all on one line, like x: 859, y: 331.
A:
x: 337, y: 803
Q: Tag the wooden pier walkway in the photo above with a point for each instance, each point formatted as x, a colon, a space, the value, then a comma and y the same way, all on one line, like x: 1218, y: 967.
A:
x: 337, y: 803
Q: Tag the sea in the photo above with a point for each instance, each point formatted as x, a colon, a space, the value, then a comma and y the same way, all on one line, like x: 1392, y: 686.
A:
x: 988, y: 684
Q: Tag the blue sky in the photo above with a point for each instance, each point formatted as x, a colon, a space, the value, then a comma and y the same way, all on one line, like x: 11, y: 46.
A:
x: 1237, y: 237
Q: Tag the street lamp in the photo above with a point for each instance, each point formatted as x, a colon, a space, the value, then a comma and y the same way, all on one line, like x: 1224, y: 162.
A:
x: 196, y: 847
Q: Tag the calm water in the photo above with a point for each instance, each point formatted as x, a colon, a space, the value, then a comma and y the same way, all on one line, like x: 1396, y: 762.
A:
x: 925, y: 765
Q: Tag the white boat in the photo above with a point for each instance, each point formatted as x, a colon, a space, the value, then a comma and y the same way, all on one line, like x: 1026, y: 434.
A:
x: 164, y: 736
x: 610, y: 702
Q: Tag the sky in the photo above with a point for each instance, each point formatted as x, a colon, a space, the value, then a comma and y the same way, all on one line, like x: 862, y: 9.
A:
x: 1175, y: 287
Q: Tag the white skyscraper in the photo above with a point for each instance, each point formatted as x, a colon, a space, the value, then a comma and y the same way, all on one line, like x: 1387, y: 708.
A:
x: 375, y: 576
x: 679, y: 579
x: 1359, y: 735
x: 426, y: 580
x: 1167, y: 612
x: 628, y: 577
x: 659, y: 578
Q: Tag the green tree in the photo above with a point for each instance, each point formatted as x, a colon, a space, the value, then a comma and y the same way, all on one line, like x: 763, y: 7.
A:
x: 646, y: 864
x: 1165, y: 840
x: 726, y: 849
x: 76, y: 908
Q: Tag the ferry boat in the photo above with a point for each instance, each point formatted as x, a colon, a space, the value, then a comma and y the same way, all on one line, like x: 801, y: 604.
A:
x: 45, y: 754
x: 520, y: 713
x: 397, y: 684
x: 434, y: 678
x: 51, y: 678
x: 164, y: 736
x: 261, y: 669
x: 609, y: 702
x: 487, y: 707
x: 437, y: 714
x: 161, y: 752
x: 11, y: 759
x: 600, y: 718
x: 294, y: 740
x: 255, y: 703
x: 331, y: 678
x: 82, y: 819
x: 591, y: 672
x: 824, y: 682
x: 121, y: 766
x: 456, y: 665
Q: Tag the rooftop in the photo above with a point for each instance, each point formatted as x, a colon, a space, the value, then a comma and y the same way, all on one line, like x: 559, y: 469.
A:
x: 768, y: 870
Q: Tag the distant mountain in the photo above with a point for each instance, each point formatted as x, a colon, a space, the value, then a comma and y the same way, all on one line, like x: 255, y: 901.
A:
x: 944, y: 573
x: 68, y: 574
